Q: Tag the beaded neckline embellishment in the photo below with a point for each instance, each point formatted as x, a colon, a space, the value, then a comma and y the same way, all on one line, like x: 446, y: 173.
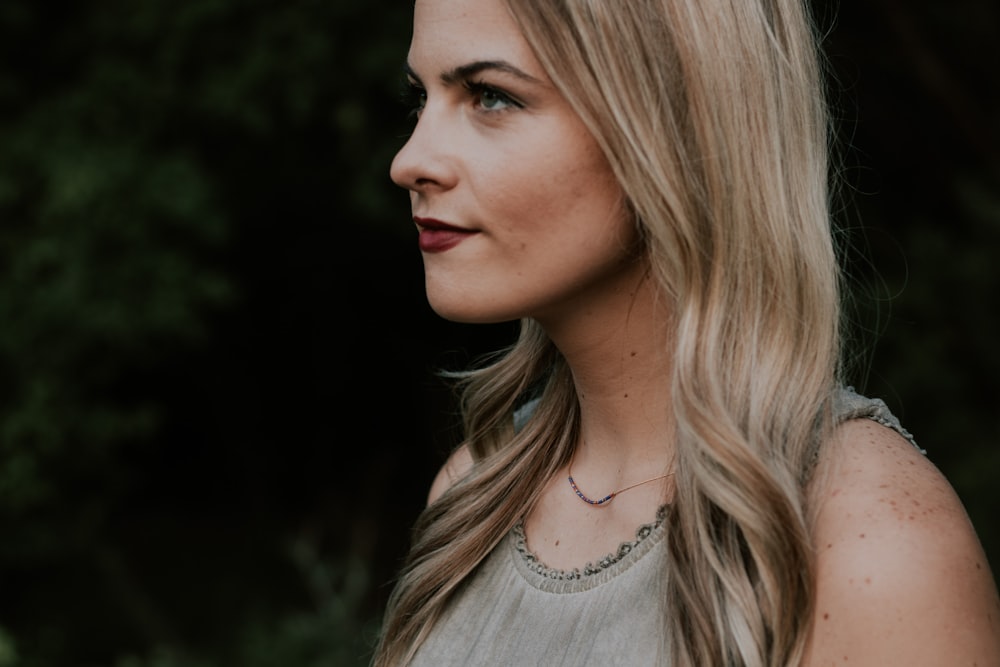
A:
x: 592, y: 568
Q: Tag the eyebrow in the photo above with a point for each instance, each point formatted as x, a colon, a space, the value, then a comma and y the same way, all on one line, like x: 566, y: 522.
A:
x: 465, y: 72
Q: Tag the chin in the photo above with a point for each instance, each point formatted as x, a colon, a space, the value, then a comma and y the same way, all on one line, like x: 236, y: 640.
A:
x: 467, y: 310
x: 469, y: 316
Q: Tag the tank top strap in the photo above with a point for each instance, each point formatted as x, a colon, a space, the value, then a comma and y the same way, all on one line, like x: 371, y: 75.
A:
x: 849, y: 404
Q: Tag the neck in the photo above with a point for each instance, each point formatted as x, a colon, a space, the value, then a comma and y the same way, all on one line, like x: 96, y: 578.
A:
x: 620, y: 359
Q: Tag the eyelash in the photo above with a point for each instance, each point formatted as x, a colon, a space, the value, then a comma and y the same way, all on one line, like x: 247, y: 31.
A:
x: 477, y: 89
x: 415, y: 96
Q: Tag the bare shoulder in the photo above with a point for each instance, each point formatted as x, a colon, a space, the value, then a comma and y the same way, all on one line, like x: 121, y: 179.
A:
x: 453, y: 469
x: 901, y: 576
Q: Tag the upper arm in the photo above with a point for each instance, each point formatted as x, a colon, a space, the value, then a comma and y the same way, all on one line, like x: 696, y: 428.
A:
x: 901, y: 578
x: 453, y: 469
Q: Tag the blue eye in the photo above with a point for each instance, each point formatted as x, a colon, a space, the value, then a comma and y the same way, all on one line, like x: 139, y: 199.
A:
x: 490, y: 99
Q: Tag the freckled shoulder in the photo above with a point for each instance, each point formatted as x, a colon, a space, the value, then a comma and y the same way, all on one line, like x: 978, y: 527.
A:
x: 901, y: 576
x: 453, y: 469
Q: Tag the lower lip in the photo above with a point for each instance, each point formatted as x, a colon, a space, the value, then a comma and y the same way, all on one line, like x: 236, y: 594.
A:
x: 439, y: 240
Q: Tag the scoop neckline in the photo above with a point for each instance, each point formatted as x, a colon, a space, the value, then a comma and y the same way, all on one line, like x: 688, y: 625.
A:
x: 593, y: 573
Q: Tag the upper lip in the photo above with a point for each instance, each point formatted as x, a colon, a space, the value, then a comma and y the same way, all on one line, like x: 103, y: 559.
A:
x: 432, y: 223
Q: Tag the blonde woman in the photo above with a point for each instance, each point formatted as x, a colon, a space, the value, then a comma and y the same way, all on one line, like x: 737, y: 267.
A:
x: 665, y: 468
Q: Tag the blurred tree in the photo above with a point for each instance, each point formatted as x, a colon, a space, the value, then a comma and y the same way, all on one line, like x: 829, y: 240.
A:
x: 182, y: 193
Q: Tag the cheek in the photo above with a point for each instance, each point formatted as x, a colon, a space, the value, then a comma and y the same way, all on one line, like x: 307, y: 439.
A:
x: 554, y: 185
x: 546, y: 188
x: 582, y: 174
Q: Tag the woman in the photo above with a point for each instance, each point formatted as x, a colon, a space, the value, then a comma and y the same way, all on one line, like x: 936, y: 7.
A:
x: 664, y: 469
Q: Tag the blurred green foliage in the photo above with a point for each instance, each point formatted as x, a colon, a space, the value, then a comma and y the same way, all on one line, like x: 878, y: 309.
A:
x: 217, y: 412
x: 165, y: 168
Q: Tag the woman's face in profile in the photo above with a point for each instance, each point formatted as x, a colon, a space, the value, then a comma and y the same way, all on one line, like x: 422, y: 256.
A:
x: 518, y: 212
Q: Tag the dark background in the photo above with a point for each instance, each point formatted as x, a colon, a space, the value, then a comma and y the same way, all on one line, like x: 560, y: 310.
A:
x: 218, y: 408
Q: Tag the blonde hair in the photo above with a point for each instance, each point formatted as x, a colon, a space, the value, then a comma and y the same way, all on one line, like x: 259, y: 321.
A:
x: 711, y: 115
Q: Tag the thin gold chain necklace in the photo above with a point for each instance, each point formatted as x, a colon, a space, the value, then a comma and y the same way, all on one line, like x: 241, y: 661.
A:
x: 611, y: 496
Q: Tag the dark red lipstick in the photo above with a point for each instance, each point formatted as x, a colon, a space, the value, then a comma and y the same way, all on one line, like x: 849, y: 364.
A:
x: 437, y: 236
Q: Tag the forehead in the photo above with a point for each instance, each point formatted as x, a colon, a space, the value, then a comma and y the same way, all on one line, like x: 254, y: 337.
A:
x: 448, y: 33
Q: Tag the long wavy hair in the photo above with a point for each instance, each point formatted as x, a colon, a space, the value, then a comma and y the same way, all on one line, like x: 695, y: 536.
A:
x: 711, y: 114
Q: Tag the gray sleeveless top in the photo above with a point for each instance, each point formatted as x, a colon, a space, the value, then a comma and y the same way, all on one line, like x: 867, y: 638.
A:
x: 513, y: 611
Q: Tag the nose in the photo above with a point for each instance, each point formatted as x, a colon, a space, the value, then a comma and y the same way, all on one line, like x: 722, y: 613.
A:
x: 424, y: 163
